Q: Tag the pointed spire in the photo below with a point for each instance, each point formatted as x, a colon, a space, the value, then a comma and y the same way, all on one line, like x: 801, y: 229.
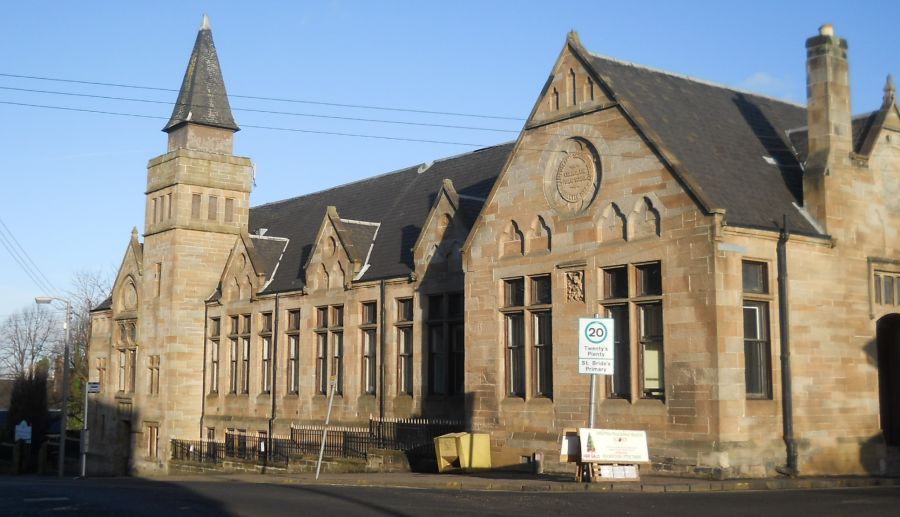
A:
x: 202, y: 99
x: 890, y: 93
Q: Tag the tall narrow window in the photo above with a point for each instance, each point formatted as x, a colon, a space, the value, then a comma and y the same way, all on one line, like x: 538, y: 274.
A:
x: 229, y: 209
x: 542, y: 317
x: 266, y: 353
x: 573, y: 86
x: 649, y: 284
x: 405, y: 346
x: 652, y: 349
x: 122, y: 369
x: 589, y: 87
x: 555, y: 100
x: 620, y: 383
x: 155, y: 210
x: 445, y: 344
x: 615, y: 290
x: 233, y: 357
x: 757, y: 346
x: 245, y: 353
x: 337, y: 361
x: 294, y: 351
x: 169, y: 205
x: 154, y: 375
x: 368, y: 330
x: 213, y: 208
x: 162, y: 208
x: 214, y: 331
x: 153, y: 440
x: 195, y: 206
x: 514, y: 302
x: 322, y: 349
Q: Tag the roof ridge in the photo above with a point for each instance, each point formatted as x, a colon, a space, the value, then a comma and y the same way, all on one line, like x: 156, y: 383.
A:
x: 696, y: 80
x: 377, y: 176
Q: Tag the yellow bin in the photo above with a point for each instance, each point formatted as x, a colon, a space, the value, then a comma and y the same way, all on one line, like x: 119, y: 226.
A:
x: 474, y: 451
x: 446, y: 449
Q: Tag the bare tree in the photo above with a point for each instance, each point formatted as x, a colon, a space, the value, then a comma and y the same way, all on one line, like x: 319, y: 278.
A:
x: 89, y: 289
x: 26, y: 338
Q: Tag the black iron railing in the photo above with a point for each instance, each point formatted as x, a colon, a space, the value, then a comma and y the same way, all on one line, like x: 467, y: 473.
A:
x: 415, y: 437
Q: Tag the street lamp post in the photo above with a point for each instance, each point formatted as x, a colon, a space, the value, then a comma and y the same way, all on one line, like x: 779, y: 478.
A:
x: 65, y: 391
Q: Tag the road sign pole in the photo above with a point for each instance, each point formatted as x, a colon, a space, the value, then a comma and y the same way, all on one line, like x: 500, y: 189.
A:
x: 593, y: 396
x: 84, y: 432
x: 325, y: 427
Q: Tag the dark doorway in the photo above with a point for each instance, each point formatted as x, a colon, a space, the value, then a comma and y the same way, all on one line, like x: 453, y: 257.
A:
x: 124, y: 446
x: 888, y: 338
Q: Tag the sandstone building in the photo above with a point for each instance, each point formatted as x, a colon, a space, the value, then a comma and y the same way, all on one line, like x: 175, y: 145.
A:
x: 747, y: 249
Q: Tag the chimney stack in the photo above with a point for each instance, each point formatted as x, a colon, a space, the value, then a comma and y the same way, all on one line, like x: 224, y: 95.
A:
x: 828, y: 118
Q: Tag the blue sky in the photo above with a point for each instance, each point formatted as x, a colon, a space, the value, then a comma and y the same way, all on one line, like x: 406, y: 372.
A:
x: 73, y: 182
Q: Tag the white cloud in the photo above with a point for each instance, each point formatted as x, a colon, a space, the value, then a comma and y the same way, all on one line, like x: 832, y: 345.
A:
x: 767, y: 84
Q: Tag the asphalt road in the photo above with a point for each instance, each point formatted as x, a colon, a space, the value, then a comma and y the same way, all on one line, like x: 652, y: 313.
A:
x: 136, y: 497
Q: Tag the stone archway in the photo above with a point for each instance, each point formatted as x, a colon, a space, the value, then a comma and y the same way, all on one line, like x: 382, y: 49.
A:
x: 888, y: 341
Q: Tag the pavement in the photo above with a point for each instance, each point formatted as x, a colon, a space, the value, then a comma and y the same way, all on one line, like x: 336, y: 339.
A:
x: 521, y: 482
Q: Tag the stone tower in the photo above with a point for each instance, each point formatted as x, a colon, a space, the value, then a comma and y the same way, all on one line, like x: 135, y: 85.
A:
x: 829, y: 122
x: 198, y: 196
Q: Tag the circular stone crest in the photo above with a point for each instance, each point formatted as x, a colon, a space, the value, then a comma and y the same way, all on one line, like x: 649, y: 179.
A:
x: 574, y: 177
x: 571, y: 180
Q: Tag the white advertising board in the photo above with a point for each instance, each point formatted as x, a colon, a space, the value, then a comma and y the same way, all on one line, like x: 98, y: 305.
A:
x: 596, y: 350
x: 613, y: 446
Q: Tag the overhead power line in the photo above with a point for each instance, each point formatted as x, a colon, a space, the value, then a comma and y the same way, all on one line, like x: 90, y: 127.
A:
x: 268, y: 112
x: 28, y: 265
x: 273, y: 128
x: 272, y: 99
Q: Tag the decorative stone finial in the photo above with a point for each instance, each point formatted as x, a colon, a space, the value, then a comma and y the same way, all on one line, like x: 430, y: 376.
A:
x: 134, y: 232
x: 826, y: 30
x: 205, y: 26
x: 890, y: 93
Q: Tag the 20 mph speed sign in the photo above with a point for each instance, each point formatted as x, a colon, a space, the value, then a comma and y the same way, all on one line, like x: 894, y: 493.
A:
x: 596, y: 351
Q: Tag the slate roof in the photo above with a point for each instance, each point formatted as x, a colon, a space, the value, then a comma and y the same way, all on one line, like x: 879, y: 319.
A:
x: 202, y: 98
x: 268, y: 252
x: 719, y: 138
x: 104, y: 305
x: 860, y: 126
x: 400, y: 201
x: 362, y: 236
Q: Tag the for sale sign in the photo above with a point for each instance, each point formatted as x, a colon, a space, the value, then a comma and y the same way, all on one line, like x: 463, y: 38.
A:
x: 596, y: 350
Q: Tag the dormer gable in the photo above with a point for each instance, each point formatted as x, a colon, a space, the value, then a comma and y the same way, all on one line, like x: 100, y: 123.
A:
x: 443, y: 233
x: 340, y: 251
x: 244, y: 273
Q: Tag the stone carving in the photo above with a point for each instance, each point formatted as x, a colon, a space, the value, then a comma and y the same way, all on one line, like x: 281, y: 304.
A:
x: 571, y: 180
x: 574, y: 177
x: 575, y: 286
